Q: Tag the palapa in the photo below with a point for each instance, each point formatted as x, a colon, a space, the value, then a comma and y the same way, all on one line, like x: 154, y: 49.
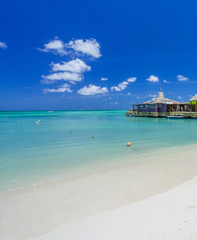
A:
x: 161, y: 100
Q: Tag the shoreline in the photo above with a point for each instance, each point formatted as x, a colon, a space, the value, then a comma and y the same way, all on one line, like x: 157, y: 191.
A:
x: 91, y: 168
x: 171, y: 215
x: 55, y: 203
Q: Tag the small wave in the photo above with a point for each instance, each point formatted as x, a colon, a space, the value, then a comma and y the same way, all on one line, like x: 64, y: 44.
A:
x: 32, y: 185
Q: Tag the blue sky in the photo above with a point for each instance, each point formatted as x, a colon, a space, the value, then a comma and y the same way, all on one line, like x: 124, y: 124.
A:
x: 96, y: 54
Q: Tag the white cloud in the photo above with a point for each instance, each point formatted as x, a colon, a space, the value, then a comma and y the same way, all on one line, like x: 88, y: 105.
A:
x: 65, y: 76
x: 153, y: 95
x: 181, y: 78
x: 120, y: 87
x: 64, y: 88
x: 104, y: 79
x: 114, y: 103
x: 131, y: 79
x: 92, y: 90
x: 179, y: 97
x: 79, y: 46
x: 153, y: 79
x: 73, y: 70
x: 55, y: 46
x: 76, y: 66
x: 3, y: 45
x: 88, y: 47
x: 165, y: 81
x: 128, y: 93
x: 123, y: 85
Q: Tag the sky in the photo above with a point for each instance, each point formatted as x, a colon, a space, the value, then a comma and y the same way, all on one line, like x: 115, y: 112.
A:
x: 73, y: 55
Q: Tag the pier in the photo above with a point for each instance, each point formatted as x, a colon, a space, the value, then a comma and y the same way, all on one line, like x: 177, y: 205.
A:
x: 131, y: 113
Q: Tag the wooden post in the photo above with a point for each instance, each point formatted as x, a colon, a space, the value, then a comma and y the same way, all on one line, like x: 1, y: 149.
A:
x: 195, y: 107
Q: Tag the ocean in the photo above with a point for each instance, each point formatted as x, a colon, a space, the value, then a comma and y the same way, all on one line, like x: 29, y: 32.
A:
x: 66, y: 143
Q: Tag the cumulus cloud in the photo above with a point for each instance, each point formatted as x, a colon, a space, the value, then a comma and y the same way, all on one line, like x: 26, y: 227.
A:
x: 88, y: 47
x: 71, y: 71
x: 104, y: 79
x: 76, y: 66
x: 179, y: 97
x: 3, y: 45
x: 153, y: 79
x: 64, y: 76
x: 153, y: 95
x: 165, y: 81
x: 120, y: 87
x: 55, y: 46
x: 92, y: 90
x: 181, y: 78
x: 63, y: 88
x: 123, y: 85
x: 131, y: 79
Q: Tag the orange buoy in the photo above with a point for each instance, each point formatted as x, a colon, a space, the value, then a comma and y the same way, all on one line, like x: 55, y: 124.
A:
x: 129, y: 144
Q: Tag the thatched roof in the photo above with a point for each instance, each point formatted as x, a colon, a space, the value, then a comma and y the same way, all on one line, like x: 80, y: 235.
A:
x: 194, y: 98
x: 161, y: 100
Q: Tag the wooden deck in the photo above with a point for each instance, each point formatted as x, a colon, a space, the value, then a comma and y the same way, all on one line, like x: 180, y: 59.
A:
x: 160, y: 114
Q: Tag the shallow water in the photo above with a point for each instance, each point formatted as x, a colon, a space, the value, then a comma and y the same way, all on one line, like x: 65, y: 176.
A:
x: 32, y: 153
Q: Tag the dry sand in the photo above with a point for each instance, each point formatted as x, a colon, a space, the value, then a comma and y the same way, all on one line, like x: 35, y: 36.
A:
x: 170, y: 216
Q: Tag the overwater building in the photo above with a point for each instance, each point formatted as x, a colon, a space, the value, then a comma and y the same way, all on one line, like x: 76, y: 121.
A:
x: 193, y: 103
x: 164, y: 107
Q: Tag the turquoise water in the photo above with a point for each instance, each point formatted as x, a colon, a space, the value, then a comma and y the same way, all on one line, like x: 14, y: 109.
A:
x: 32, y: 153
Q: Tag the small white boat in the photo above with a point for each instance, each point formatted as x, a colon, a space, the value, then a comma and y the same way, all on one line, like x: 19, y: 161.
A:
x: 175, y: 117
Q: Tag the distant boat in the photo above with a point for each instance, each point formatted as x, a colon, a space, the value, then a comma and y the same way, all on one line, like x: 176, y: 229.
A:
x: 175, y: 117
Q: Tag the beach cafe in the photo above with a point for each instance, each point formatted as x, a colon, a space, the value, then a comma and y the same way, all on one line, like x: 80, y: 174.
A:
x: 164, y: 107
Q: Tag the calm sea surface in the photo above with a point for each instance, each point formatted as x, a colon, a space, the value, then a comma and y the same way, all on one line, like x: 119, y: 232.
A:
x: 64, y: 141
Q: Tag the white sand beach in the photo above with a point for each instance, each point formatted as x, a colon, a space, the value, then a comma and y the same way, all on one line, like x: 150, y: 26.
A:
x: 128, y: 200
x: 171, y: 215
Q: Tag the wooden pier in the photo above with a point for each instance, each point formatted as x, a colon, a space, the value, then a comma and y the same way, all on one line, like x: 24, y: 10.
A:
x: 131, y: 113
